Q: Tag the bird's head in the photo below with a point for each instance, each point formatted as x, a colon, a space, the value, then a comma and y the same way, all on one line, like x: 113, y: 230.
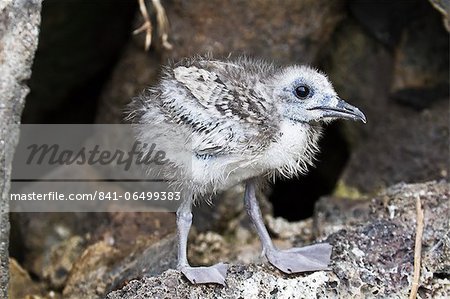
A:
x: 306, y: 95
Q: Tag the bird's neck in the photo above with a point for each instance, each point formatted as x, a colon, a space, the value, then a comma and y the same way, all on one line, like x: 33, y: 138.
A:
x: 294, y: 149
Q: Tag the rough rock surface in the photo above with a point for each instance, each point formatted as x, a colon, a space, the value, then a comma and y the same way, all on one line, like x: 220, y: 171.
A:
x: 375, y: 258
x: 106, y: 265
x: 421, y: 64
x: 43, y: 233
x: 21, y: 284
x: 85, y: 255
x: 19, y: 27
x: 333, y: 214
x: 371, y: 259
x: 416, y: 141
x: 285, y: 31
x: 398, y: 143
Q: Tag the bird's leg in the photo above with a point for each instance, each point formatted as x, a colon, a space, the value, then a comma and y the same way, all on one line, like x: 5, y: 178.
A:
x: 294, y: 260
x: 213, y: 274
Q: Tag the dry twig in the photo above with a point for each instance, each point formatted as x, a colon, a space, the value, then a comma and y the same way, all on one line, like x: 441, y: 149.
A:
x: 147, y: 26
x: 417, y: 248
x: 163, y: 24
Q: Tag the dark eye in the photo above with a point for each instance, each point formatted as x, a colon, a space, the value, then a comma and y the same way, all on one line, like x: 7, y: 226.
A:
x: 302, y: 91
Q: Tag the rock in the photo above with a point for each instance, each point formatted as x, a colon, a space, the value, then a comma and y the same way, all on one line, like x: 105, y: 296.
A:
x: 19, y: 28
x: 40, y: 234
x: 285, y: 31
x: 88, y: 277
x: 376, y: 257
x: 397, y: 143
x: 421, y: 60
x: 87, y: 254
x: 135, y: 71
x: 207, y: 248
x: 372, y: 258
x: 252, y: 281
x: 62, y: 258
x: 301, y: 232
x: 405, y: 146
x: 21, y: 285
x: 103, y: 266
x: 333, y: 214
x: 356, y: 64
x: 125, y: 246
x: 124, y: 228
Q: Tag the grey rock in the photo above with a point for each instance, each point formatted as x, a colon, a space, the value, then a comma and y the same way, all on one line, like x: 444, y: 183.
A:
x: 397, y: 143
x: 104, y: 267
x: 375, y: 258
x: 135, y: 71
x: 280, y: 31
x: 84, y: 255
x: 61, y: 260
x: 371, y: 259
x: 332, y: 214
x: 357, y: 65
x: 252, y: 281
x: 420, y: 75
x: 405, y: 146
x: 37, y: 235
x: 19, y: 28
x: 21, y: 285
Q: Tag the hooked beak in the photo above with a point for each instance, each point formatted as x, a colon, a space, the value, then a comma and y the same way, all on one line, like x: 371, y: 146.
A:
x: 340, y: 109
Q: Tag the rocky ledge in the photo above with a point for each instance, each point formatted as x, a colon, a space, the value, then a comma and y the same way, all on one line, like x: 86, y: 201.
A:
x: 373, y: 255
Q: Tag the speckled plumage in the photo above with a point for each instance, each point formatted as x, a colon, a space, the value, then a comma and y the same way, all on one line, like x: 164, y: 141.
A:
x: 228, y: 114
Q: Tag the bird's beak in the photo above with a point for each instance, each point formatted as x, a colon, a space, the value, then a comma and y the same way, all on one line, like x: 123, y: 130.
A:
x: 338, y: 108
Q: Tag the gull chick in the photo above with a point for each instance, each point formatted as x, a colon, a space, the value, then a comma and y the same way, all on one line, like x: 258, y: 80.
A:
x: 226, y: 122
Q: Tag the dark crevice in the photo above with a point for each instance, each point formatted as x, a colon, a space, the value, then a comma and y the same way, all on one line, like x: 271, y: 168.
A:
x: 79, y: 45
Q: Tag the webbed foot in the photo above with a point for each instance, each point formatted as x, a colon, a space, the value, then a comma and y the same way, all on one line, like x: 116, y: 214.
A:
x: 309, y: 258
x: 212, y: 274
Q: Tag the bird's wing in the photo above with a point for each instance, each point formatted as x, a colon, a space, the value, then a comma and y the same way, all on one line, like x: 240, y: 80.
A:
x: 224, y: 115
x: 206, y: 87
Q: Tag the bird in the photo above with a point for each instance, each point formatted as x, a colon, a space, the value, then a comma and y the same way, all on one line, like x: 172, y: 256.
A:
x: 222, y: 122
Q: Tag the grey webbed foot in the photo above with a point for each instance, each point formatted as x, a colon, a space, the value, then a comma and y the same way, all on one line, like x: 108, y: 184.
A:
x: 212, y: 274
x: 309, y: 258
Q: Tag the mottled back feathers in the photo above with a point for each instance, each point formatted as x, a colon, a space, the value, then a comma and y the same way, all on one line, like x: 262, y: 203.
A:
x: 226, y: 103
